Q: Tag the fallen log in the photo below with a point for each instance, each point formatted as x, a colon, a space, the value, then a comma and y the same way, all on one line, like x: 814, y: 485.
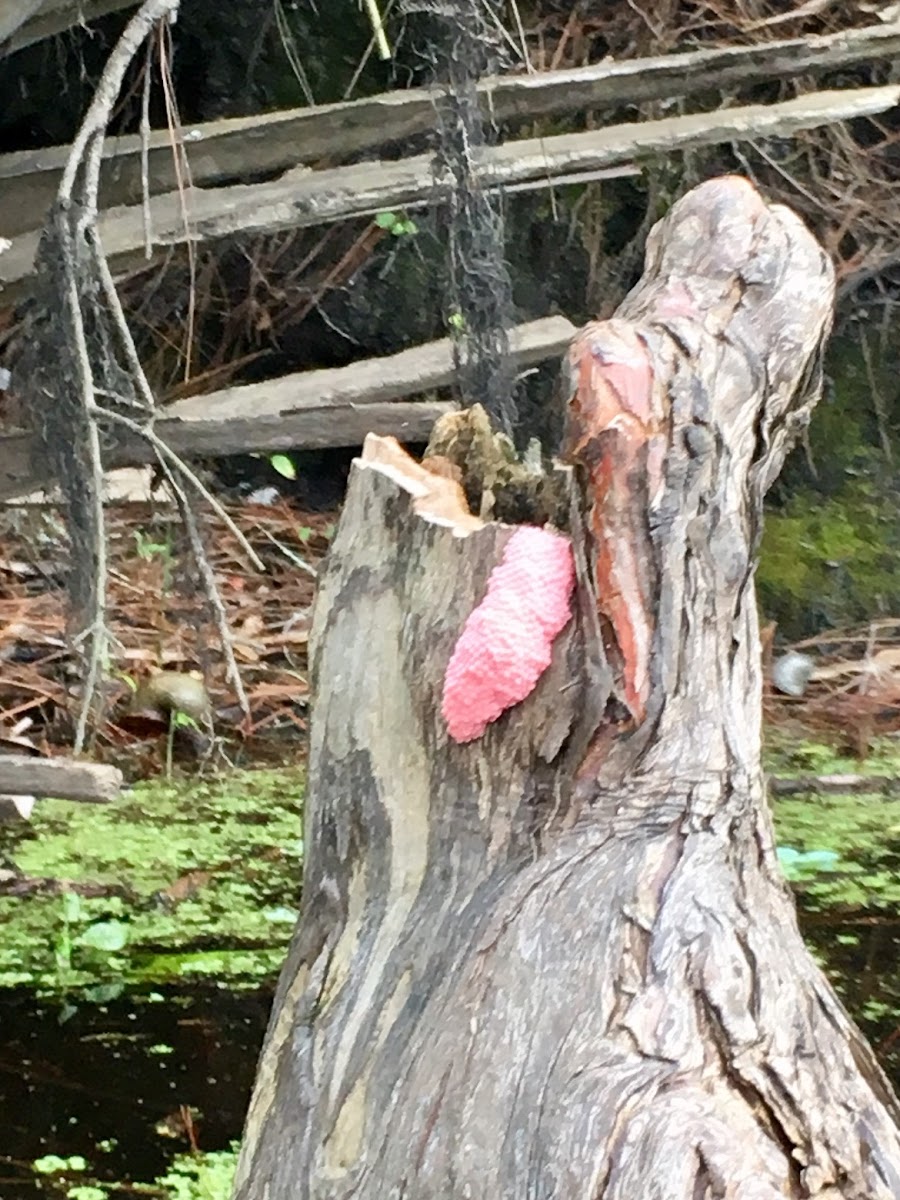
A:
x: 545, y: 947
x: 248, y: 147
x: 64, y: 779
x: 313, y: 409
x: 303, y: 197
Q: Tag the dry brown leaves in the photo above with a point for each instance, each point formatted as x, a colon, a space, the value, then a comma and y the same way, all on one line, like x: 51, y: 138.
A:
x: 158, y: 617
x: 854, y: 693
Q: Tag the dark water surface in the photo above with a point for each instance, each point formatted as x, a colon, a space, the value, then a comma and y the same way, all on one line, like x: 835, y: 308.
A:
x: 111, y: 1083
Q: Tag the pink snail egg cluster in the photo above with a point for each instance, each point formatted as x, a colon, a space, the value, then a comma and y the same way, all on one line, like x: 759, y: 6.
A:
x: 506, y: 643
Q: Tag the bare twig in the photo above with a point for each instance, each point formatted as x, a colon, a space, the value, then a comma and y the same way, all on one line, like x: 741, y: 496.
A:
x: 211, y: 588
x: 878, y: 403
x: 170, y: 457
x: 384, y: 50
x: 145, y: 153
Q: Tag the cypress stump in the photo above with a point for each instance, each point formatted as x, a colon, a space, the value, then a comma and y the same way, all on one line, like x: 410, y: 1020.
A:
x: 557, y: 958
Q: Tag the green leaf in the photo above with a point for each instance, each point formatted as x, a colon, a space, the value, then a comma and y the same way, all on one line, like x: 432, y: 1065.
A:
x: 386, y: 220
x: 109, y: 936
x: 304, y: 533
x: 283, y: 465
x: 50, y: 1164
x: 87, y: 1191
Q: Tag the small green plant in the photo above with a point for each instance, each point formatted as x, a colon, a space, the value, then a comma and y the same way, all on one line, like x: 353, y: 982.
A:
x: 178, y: 719
x: 284, y: 465
x: 148, y: 550
x: 105, y: 938
x: 457, y: 322
x: 52, y: 1164
x: 70, y: 914
x: 201, y: 1176
x: 396, y: 224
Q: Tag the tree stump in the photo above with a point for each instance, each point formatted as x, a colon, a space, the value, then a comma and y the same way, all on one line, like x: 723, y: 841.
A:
x: 559, y: 960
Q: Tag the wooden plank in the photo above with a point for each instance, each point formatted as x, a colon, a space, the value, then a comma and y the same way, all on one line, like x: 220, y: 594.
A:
x: 15, y: 13
x: 22, y: 470
x: 91, y: 783
x: 47, y: 19
x: 248, y: 147
x: 304, y: 197
x: 311, y: 409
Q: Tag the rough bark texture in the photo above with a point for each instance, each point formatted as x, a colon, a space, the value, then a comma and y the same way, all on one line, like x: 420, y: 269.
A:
x: 561, y: 961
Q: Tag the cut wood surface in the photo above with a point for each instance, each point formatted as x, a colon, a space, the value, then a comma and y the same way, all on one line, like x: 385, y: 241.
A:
x: 303, y: 197
x: 335, y: 407
x: 559, y: 958
x: 63, y: 778
x: 242, y: 147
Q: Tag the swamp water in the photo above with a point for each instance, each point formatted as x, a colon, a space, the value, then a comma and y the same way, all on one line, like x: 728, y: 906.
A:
x: 132, y: 1008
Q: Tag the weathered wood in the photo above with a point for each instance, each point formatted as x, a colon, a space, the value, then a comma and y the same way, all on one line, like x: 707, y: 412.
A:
x: 24, y: 22
x: 303, y: 197
x: 313, y: 409
x: 244, y: 147
x: 561, y: 960
x: 91, y: 783
x: 835, y: 785
x: 14, y: 13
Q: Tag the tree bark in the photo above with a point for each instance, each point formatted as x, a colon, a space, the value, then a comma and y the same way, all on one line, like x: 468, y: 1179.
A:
x: 560, y: 960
